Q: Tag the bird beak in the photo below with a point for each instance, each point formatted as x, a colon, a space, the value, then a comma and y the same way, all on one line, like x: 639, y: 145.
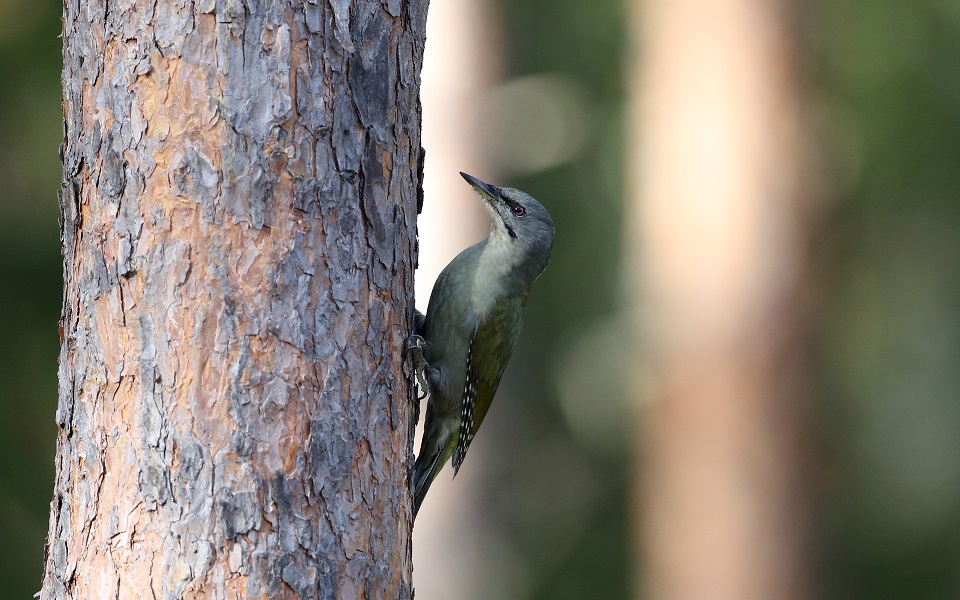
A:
x: 490, y: 193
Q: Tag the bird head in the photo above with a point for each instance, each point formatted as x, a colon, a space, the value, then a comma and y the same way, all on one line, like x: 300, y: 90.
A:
x: 517, y: 220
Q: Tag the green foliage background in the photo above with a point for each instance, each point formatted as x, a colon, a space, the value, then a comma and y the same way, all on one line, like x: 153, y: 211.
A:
x: 884, y: 96
x: 30, y: 288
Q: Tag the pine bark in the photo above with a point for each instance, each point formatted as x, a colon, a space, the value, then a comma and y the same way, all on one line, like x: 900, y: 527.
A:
x: 239, y: 200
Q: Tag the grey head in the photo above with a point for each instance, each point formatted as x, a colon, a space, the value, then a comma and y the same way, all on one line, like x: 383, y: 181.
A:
x: 521, y: 226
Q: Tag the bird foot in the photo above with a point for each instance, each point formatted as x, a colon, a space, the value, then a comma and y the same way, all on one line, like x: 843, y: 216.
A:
x: 415, y: 345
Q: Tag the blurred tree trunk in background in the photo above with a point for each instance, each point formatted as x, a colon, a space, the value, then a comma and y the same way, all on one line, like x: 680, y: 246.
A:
x: 239, y: 204
x: 719, y: 223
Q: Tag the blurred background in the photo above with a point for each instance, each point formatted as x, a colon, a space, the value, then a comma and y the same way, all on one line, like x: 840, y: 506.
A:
x: 573, y: 487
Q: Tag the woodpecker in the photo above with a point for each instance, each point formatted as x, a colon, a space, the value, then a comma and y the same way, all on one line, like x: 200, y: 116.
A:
x: 462, y: 345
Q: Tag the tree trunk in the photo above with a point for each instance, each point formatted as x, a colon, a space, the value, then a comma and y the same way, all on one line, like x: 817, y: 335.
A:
x: 239, y: 209
x: 721, y: 224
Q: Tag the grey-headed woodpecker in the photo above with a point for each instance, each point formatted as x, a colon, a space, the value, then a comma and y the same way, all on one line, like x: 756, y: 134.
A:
x: 475, y: 313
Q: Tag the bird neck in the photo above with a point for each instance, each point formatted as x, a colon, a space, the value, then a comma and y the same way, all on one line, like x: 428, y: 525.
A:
x: 499, y: 256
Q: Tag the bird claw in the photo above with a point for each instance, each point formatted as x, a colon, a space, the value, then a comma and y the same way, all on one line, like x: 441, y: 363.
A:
x: 415, y: 345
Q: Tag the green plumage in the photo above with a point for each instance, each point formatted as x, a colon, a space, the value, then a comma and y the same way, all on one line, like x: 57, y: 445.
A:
x: 474, y: 317
x: 490, y: 351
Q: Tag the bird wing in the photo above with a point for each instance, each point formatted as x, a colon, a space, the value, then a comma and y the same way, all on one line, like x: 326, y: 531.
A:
x: 489, y: 351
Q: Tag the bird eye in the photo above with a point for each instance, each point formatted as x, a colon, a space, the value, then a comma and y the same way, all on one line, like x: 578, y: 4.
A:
x: 519, y: 210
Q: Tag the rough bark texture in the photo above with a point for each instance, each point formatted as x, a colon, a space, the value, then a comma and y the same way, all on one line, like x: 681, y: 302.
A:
x: 239, y: 204
x: 722, y: 223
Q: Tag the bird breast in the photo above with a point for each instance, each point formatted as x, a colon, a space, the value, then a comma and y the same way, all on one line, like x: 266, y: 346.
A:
x: 492, y: 277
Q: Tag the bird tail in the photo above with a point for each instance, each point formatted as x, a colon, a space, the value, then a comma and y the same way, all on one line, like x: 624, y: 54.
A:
x: 428, y: 465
